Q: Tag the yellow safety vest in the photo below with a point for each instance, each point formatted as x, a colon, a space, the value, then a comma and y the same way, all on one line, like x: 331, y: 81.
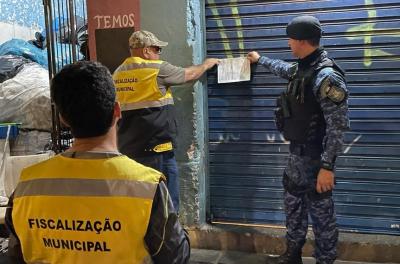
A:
x: 69, y: 210
x: 148, y: 121
x: 136, y: 84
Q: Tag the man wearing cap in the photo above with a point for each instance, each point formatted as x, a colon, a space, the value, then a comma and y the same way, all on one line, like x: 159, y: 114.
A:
x: 312, y: 114
x: 147, y: 130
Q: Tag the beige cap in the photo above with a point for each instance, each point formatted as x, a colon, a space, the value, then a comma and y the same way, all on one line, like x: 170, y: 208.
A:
x: 143, y: 38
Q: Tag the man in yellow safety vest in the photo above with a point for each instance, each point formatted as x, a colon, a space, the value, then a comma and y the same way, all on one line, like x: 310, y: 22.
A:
x: 147, y: 130
x: 92, y: 204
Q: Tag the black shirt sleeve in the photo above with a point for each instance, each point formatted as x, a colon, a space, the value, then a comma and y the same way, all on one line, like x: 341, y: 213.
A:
x: 14, y: 253
x: 166, y: 240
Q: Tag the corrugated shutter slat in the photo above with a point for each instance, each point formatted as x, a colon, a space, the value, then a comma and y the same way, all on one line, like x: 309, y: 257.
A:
x: 246, y: 153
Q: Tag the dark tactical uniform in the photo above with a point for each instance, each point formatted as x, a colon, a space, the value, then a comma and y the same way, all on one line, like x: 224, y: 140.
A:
x: 313, y: 115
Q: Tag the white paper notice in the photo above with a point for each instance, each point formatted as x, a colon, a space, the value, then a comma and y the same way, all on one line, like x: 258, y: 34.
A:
x: 233, y: 70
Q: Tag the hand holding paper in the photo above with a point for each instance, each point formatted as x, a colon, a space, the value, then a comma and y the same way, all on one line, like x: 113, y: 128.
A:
x: 233, y: 70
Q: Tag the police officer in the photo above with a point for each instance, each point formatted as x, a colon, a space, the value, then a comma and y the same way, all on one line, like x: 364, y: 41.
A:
x: 312, y: 114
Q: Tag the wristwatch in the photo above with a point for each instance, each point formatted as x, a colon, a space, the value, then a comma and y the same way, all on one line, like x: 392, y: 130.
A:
x: 327, y: 165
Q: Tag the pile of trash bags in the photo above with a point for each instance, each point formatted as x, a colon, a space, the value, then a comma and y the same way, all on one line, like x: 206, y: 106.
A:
x: 24, y: 49
x: 24, y: 93
x: 28, y: 50
x: 24, y: 82
x: 25, y: 99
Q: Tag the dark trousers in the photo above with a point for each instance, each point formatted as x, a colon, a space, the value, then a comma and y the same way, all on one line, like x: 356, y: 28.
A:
x: 297, y: 209
x: 301, y: 200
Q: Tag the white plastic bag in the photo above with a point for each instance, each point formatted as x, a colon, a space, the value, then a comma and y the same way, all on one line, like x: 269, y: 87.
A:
x: 4, y: 154
x: 26, y: 98
x: 14, y: 166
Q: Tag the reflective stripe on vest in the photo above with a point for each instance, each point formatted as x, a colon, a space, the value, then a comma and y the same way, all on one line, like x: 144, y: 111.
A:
x: 85, y: 187
x: 70, y: 210
x: 136, y: 84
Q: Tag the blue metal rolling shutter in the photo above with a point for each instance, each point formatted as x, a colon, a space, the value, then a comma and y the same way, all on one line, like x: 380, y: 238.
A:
x: 247, y: 155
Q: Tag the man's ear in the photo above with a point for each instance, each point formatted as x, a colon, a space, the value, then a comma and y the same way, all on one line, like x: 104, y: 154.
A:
x: 146, y: 53
x: 117, y: 112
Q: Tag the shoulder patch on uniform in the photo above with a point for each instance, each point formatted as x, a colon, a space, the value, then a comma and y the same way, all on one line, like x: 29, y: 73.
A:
x: 333, y: 92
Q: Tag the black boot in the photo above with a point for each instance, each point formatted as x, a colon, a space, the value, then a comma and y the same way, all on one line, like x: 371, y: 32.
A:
x: 291, y: 256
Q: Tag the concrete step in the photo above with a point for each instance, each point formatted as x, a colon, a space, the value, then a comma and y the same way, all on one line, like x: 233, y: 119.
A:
x: 204, y: 256
x: 356, y: 247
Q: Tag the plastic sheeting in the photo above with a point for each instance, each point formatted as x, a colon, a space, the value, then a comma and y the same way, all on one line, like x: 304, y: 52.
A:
x: 19, y: 47
x: 13, y: 167
x: 26, y: 98
x: 10, y: 66
x: 4, y: 155
x: 24, y: 49
x: 83, y: 38
x: 62, y: 28
x: 30, y: 142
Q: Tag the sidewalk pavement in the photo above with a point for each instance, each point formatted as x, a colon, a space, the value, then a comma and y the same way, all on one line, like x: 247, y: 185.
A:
x: 204, y: 256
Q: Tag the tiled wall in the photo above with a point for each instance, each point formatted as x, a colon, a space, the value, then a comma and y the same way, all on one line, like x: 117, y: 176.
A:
x: 20, y: 19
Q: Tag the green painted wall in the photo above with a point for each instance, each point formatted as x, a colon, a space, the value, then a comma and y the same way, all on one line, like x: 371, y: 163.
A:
x: 180, y: 23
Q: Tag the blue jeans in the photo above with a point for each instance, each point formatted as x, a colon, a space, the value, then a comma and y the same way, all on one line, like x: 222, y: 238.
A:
x: 166, y: 163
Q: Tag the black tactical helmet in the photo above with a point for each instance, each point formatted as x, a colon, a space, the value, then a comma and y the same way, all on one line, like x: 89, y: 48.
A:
x: 303, y: 28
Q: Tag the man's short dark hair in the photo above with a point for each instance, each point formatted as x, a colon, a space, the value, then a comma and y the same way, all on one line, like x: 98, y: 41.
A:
x: 84, y: 94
